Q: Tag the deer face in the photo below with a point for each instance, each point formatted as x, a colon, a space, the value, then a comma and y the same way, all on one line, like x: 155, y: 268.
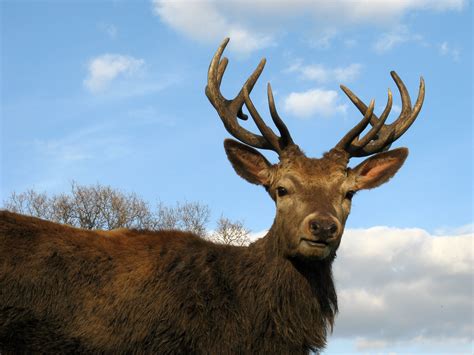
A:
x: 312, y: 196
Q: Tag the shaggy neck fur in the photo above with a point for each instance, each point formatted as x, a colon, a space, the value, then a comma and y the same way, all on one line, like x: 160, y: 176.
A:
x: 301, y: 292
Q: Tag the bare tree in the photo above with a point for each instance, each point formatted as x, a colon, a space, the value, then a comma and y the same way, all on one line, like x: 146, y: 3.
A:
x: 103, y: 207
x: 30, y: 203
x: 231, y: 233
x: 91, y: 207
x: 166, y: 217
x: 188, y: 216
x: 62, y: 209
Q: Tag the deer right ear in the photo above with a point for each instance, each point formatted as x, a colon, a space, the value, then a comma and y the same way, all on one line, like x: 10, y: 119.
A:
x: 379, y: 168
x: 248, y: 162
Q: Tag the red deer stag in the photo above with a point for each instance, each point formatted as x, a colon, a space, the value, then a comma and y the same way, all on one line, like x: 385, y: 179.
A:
x: 64, y: 289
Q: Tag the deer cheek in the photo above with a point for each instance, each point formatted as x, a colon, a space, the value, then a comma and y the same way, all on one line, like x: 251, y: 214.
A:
x: 345, y: 208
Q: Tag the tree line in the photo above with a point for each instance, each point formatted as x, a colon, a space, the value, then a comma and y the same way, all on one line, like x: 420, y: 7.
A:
x: 106, y: 208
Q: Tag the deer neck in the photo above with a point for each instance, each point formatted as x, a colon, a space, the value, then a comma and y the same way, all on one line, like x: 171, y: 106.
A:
x: 316, y: 274
x: 302, y: 290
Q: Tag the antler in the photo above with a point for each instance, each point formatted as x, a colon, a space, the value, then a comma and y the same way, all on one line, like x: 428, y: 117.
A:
x: 230, y: 110
x: 380, y: 136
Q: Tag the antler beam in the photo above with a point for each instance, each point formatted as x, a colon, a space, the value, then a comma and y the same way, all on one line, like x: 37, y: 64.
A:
x: 380, y: 136
x: 230, y: 110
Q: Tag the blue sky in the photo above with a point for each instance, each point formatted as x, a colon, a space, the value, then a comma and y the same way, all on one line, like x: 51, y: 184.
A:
x: 113, y: 92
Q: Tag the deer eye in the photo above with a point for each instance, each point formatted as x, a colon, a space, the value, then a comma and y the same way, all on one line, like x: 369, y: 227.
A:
x: 350, y: 194
x: 281, y: 191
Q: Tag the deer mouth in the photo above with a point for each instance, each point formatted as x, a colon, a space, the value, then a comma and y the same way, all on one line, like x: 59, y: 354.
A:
x: 318, y: 243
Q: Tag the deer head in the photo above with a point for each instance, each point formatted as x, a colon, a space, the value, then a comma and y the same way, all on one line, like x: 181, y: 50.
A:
x: 312, y: 196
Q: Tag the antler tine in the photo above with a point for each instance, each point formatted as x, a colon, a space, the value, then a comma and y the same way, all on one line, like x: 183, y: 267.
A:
x: 249, y: 84
x: 346, y: 141
x: 381, y: 136
x: 271, y: 137
x: 229, y: 110
x: 373, y: 137
x: 220, y: 73
x: 358, y: 103
x: 285, y: 133
x: 221, y: 69
x: 407, y: 116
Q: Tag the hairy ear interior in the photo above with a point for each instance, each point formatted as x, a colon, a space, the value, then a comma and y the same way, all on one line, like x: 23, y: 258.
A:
x: 248, y: 162
x: 379, y: 168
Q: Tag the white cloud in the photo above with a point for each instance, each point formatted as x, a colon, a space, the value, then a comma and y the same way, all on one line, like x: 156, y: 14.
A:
x: 364, y: 344
x: 349, y: 73
x: 83, y: 144
x: 323, y: 74
x: 103, y: 69
x: 313, y: 102
x: 254, y: 24
x: 446, y: 49
x: 465, y: 229
x: 323, y: 39
x: 389, y: 40
x: 383, y: 10
x: 202, y: 20
x: 402, y: 286
x: 109, y: 29
x: 257, y: 235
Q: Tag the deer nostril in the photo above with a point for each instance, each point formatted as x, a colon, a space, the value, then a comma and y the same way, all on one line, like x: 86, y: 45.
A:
x: 323, y: 228
x: 315, y: 227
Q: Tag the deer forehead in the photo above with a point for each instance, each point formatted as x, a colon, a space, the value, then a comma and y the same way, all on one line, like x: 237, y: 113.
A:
x: 310, y: 172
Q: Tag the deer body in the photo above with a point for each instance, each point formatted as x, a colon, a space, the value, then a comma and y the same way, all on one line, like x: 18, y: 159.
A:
x: 64, y: 289
x: 70, y: 290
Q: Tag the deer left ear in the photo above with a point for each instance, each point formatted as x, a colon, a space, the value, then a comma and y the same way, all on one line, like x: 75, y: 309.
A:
x: 378, y: 169
x: 248, y: 162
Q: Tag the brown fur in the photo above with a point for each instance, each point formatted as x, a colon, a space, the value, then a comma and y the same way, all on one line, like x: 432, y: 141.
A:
x: 64, y: 289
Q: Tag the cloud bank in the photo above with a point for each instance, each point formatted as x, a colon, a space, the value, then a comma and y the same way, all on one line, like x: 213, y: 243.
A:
x: 404, y: 287
x: 256, y: 24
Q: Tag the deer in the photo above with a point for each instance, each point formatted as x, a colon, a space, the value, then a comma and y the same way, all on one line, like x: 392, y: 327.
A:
x: 69, y: 290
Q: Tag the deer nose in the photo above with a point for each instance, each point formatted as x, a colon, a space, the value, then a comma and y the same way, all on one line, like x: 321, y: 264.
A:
x: 323, y: 227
